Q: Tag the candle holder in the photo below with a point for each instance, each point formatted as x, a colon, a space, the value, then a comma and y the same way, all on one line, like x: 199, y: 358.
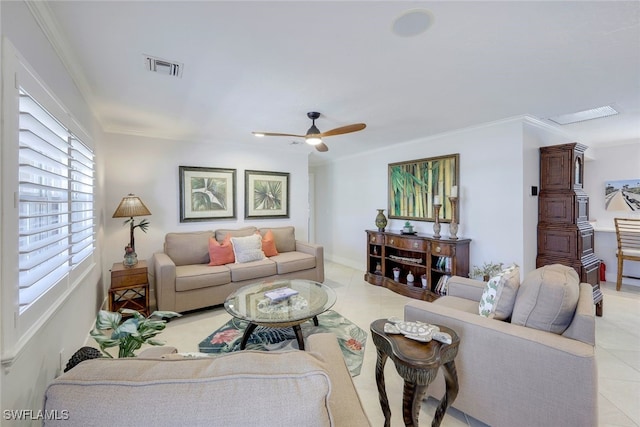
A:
x: 436, y: 225
x: 453, y: 226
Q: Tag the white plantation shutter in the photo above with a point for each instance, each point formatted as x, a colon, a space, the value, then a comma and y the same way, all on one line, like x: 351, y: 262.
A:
x: 55, y: 201
x: 82, y: 213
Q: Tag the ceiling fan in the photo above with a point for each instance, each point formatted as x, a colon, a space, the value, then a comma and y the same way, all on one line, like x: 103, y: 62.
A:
x: 314, y: 136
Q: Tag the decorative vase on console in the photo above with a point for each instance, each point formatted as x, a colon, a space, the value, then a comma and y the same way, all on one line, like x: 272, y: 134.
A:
x: 396, y: 274
x: 130, y: 257
x: 410, y: 277
x: 381, y: 220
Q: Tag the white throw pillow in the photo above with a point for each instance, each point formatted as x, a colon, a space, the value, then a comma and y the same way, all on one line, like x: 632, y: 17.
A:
x: 499, y: 295
x: 247, y: 248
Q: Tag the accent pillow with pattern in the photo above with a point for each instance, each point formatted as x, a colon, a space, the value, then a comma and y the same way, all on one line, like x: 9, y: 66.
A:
x: 499, y: 295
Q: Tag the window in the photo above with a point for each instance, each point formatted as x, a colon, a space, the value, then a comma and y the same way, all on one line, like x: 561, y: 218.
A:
x: 48, y: 231
x: 55, y: 201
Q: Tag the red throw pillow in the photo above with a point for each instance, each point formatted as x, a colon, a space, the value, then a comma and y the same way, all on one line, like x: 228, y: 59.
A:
x: 269, y: 244
x: 221, y: 254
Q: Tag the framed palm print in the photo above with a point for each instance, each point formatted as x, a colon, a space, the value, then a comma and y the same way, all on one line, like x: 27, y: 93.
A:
x: 266, y: 194
x: 207, y: 193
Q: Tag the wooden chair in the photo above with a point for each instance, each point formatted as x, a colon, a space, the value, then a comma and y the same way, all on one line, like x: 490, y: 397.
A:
x: 628, y: 235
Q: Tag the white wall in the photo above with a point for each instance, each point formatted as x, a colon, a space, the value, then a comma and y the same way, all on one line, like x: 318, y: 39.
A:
x: 611, y: 163
x: 148, y: 168
x: 23, y: 383
x: 491, y: 189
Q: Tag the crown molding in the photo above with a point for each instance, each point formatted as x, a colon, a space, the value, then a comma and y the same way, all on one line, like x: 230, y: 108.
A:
x: 50, y: 27
x: 546, y: 125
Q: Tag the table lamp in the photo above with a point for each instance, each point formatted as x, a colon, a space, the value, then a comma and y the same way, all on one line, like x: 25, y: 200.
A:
x: 129, y: 207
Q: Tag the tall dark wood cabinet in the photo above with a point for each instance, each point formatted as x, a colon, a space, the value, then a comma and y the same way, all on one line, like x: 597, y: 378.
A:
x: 564, y: 233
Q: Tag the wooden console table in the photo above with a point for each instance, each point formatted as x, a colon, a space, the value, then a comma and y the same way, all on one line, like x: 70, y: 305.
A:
x: 418, y: 254
x: 417, y: 363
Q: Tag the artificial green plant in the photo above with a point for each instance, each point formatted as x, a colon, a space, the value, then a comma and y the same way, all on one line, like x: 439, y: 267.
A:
x: 130, y: 334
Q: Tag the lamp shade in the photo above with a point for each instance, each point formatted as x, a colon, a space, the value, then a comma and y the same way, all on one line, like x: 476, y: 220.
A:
x: 131, y: 206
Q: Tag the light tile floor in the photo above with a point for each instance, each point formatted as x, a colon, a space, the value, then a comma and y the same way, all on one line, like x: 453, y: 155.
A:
x: 617, y: 349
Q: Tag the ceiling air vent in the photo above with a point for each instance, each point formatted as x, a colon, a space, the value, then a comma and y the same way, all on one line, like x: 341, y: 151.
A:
x: 163, y: 66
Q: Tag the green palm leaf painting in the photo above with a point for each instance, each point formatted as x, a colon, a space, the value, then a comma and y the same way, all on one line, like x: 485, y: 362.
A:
x: 267, y: 195
x: 208, y: 194
x: 413, y: 185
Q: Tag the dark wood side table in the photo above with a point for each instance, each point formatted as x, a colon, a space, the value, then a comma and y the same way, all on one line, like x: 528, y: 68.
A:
x: 417, y: 363
x: 129, y: 287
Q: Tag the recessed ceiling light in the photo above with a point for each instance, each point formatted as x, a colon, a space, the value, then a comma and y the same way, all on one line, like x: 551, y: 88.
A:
x: 412, y: 23
x: 581, y: 116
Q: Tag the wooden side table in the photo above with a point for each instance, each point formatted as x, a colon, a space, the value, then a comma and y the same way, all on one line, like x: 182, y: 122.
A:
x: 417, y: 363
x: 129, y: 287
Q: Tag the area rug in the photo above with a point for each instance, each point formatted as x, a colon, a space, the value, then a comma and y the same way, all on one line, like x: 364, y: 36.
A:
x: 351, y: 338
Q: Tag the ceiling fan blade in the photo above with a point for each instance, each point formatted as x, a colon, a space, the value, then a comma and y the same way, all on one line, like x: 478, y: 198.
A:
x: 344, y: 129
x: 277, y: 134
x: 322, y: 147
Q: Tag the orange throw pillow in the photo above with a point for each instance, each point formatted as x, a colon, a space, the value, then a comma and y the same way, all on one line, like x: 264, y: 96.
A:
x: 269, y: 244
x: 221, y: 254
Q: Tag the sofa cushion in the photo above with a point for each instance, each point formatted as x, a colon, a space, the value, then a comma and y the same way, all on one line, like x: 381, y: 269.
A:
x: 247, y: 249
x: 269, y: 244
x: 457, y: 303
x: 221, y: 253
x: 499, y: 294
x: 285, y: 238
x: 289, y: 262
x: 188, y: 248
x: 292, y: 386
x: 238, y: 232
x: 547, y: 299
x: 252, y: 270
x: 199, y: 276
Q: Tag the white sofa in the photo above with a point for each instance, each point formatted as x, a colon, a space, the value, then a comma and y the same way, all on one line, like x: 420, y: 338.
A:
x: 513, y: 375
x: 184, y: 280
x: 292, y: 388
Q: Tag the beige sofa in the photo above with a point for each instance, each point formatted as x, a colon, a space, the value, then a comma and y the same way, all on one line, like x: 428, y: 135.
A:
x: 512, y: 375
x: 183, y: 279
x: 293, y: 388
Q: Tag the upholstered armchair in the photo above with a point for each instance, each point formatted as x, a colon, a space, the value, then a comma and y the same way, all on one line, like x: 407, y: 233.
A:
x: 537, y: 366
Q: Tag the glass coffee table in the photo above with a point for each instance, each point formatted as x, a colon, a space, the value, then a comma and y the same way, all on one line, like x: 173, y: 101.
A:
x: 251, y: 304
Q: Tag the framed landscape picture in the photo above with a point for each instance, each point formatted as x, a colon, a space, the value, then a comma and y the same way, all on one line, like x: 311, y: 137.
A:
x: 415, y: 186
x: 622, y: 195
x: 207, y: 193
x: 266, y: 194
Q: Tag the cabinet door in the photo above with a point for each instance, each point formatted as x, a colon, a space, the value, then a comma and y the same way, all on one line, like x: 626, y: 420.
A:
x: 585, y: 243
x: 556, y: 169
x: 591, y: 273
x: 559, y: 243
x: 582, y: 209
x: 555, y: 208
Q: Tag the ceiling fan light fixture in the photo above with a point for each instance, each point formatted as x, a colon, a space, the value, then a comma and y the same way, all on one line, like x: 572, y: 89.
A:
x: 258, y: 134
x: 313, y: 139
